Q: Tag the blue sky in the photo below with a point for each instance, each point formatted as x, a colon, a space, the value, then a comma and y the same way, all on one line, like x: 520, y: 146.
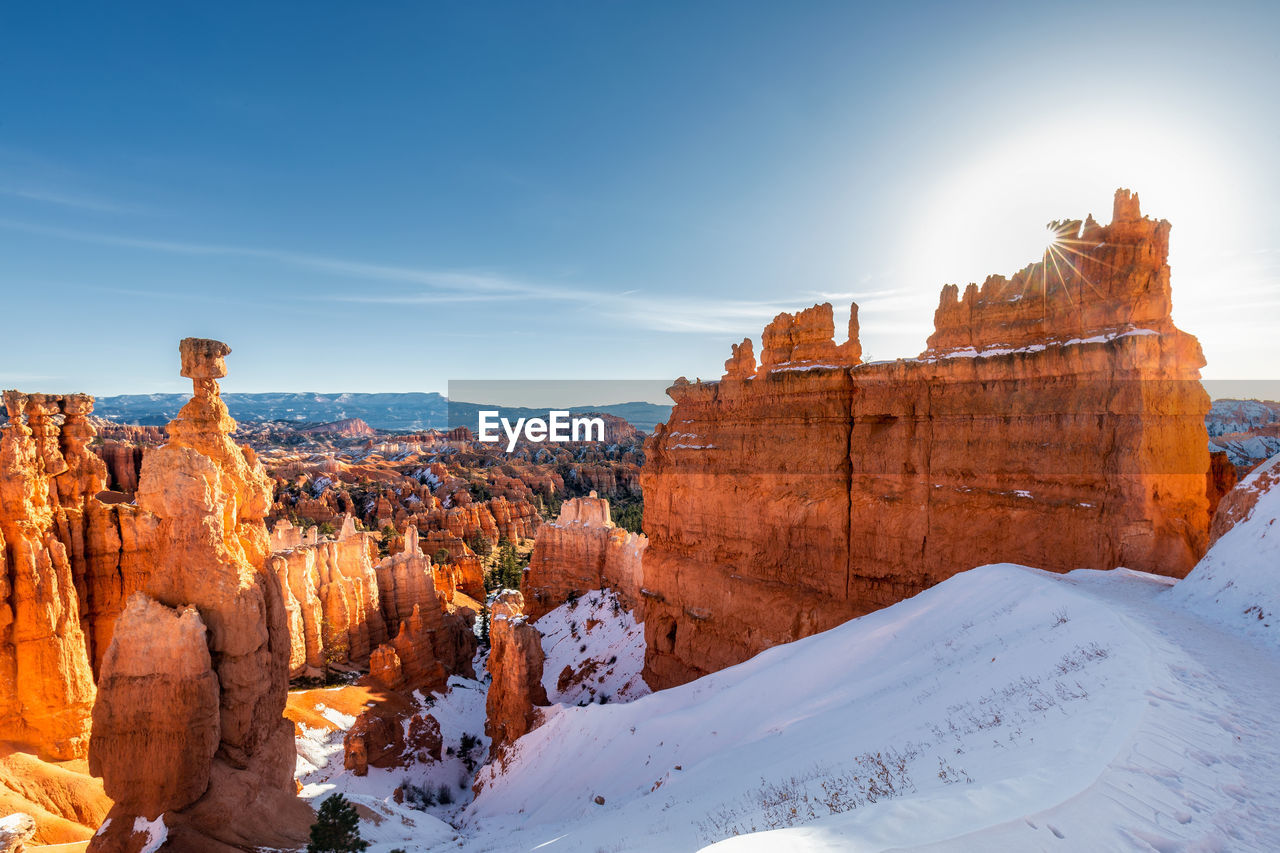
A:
x: 383, y: 197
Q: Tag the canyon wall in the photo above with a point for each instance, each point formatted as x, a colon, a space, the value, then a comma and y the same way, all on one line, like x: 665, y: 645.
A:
x: 580, y: 551
x: 1056, y: 419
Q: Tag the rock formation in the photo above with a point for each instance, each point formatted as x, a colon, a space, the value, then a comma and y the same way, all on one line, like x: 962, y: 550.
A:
x: 47, y: 480
x: 1238, y: 504
x: 151, y: 762
x: 331, y: 594
x: 189, y: 718
x: 1056, y: 419
x: 581, y: 551
x: 381, y: 739
x: 515, y: 663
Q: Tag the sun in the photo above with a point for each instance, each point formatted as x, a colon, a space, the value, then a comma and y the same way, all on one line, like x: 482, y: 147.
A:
x: 985, y: 212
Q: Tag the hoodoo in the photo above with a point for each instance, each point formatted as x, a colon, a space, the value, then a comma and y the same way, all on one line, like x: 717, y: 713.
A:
x: 515, y: 662
x: 188, y: 728
x: 1056, y: 419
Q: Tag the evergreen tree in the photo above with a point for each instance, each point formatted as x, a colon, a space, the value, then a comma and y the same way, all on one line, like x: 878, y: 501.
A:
x: 337, y: 828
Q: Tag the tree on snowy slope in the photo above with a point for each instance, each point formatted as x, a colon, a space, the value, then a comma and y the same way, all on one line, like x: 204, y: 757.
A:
x: 337, y: 828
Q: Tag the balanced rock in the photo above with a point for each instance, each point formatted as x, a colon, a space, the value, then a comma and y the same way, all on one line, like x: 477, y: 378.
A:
x: 204, y: 499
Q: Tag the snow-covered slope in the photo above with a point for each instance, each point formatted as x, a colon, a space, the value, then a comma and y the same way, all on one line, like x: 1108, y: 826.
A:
x: 1238, y: 582
x: 1006, y: 708
x: 594, y: 650
x: 389, y: 824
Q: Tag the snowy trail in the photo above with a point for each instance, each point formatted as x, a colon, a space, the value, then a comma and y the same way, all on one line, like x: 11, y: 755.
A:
x: 1208, y: 741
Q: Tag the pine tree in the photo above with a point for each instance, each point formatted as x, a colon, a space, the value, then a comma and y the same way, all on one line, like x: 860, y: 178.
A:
x: 337, y: 828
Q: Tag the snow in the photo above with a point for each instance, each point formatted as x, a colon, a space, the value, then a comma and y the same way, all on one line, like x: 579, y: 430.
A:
x: 795, y: 367
x: 1004, y: 709
x: 384, y: 822
x: 608, y: 646
x: 989, y: 352
x: 155, y: 831
x: 1236, y: 583
x: 1230, y: 416
x: 339, y: 719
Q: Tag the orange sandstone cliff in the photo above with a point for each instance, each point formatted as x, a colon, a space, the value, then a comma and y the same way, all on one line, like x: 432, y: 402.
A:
x: 1056, y: 419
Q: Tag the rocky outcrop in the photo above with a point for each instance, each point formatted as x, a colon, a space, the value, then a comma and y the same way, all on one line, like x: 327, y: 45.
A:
x: 581, y: 551
x: 382, y: 739
x: 124, y: 464
x: 430, y: 619
x: 1056, y: 420
x: 225, y: 776
x: 47, y: 481
x: 515, y: 664
x: 348, y: 428
x: 433, y: 642
x: 1223, y: 476
x: 1238, y: 504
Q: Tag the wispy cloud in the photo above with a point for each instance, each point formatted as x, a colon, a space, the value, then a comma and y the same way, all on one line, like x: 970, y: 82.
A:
x: 662, y: 312
x: 61, y: 199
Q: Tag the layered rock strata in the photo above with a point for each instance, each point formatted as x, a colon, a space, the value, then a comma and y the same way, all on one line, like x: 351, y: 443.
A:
x: 1056, y: 419
x: 580, y: 551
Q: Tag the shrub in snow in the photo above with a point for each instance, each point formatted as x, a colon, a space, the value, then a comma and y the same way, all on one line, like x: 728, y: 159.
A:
x: 416, y: 796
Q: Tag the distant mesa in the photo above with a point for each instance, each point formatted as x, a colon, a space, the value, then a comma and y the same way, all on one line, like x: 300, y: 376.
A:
x: 392, y: 412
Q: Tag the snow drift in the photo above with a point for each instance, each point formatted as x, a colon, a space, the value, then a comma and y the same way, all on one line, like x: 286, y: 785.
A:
x: 1237, y: 583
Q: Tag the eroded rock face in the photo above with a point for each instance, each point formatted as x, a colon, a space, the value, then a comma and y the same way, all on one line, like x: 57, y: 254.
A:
x: 47, y: 481
x: 157, y: 723
x: 205, y: 499
x: 380, y: 739
x: 515, y: 663
x: 1060, y: 428
x: 331, y: 595
x: 1237, y: 505
x: 581, y: 551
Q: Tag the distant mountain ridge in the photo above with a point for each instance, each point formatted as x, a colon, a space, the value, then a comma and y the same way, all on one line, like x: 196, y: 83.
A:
x: 391, y: 412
